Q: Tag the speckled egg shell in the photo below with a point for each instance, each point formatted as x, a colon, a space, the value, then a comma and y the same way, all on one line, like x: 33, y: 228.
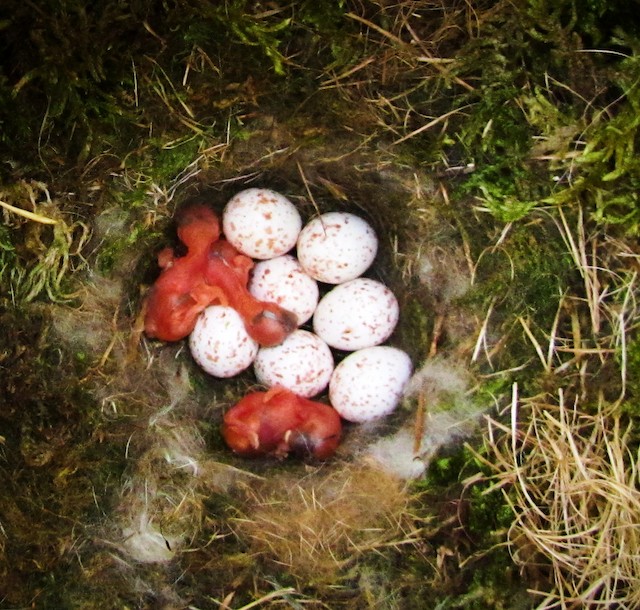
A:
x: 369, y: 383
x: 357, y: 314
x: 282, y: 280
x: 261, y: 223
x: 337, y: 247
x: 303, y: 363
x: 219, y: 343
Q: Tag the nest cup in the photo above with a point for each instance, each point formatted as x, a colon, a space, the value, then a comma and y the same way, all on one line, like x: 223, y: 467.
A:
x: 384, y: 201
x: 389, y: 202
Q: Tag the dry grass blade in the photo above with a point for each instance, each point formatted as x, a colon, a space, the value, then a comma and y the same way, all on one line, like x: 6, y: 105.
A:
x: 430, y: 124
x: 29, y: 215
x: 535, y: 343
x: 577, y: 247
x: 279, y: 594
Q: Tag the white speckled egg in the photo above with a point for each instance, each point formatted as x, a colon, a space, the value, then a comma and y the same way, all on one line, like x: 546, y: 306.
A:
x: 261, y: 223
x: 282, y: 280
x: 219, y: 343
x: 302, y: 363
x: 337, y: 247
x: 369, y: 383
x: 357, y: 314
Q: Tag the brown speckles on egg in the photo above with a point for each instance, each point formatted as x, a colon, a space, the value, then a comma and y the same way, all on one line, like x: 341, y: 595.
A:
x: 337, y: 247
x: 302, y: 363
x: 220, y: 344
x: 357, y: 314
x: 282, y: 280
x: 369, y: 383
x: 254, y: 213
x: 263, y: 196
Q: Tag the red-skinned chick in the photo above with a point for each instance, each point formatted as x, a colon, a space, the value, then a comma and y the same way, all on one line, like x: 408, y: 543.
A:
x: 279, y: 422
x: 180, y: 293
x: 267, y: 323
x: 212, y: 271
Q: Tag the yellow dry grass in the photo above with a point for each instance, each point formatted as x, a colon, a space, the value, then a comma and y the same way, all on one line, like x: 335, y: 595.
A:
x: 573, y: 478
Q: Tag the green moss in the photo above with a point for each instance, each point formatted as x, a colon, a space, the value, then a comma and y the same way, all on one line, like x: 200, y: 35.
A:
x: 171, y: 160
x: 488, y: 513
x: 521, y: 270
x: 528, y: 104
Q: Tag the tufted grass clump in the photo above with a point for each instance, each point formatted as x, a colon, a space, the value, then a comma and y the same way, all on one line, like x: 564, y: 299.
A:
x: 573, y: 489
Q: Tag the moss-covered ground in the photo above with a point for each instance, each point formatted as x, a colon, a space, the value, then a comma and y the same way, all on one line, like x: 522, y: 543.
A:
x: 491, y: 144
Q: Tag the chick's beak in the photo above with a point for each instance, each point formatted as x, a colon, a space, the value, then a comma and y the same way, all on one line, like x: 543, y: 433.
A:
x: 273, y: 325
